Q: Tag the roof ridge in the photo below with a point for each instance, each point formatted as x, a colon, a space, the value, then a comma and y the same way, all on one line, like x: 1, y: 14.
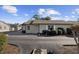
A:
x: 4, y: 22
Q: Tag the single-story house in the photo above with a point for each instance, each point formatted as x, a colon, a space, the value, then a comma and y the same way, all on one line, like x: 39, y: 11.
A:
x: 37, y: 26
x: 4, y: 26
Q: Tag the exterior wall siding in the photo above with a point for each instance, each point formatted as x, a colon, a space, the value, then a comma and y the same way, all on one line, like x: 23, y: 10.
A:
x: 39, y: 28
x: 43, y: 27
x: 4, y: 27
x: 33, y: 29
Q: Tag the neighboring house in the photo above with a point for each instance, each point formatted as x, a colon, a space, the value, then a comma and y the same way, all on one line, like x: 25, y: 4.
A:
x: 37, y: 26
x: 15, y: 27
x: 4, y: 27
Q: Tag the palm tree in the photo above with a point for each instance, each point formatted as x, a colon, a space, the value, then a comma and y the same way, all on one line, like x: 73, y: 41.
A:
x: 47, y: 18
x: 36, y: 17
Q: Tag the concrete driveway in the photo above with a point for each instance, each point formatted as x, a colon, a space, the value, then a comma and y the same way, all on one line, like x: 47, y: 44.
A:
x: 32, y: 38
x: 29, y: 42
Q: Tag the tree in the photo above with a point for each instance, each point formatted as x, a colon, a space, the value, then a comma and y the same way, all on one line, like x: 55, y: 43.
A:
x: 47, y: 18
x: 36, y: 17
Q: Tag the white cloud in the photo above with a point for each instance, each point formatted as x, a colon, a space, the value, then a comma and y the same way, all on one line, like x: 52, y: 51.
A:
x: 51, y: 11
x: 15, y: 14
x: 73, y: 12
x: 10, y: 9
x: 67, y: 18
x: 26, y: 15
x: 56, y: 18
x: 76, y: 11
x: 41, y: 11
x: 70, y: 18
x: 73, y: 16
x: 48, y: 12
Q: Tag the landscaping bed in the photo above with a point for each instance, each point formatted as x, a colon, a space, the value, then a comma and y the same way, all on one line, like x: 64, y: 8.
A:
x: 68, y: 50
x: 11, y: 49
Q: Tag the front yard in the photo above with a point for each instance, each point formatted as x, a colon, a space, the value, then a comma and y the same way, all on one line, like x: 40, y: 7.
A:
x: 29, y: 42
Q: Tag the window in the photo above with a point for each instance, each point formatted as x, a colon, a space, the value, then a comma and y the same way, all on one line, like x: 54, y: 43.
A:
x: 50, y: 27
x: 28, y: 27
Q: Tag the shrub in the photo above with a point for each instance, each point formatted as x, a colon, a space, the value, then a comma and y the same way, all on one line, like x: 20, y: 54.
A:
x: 69, y: 31
x: 49, y: 33
x: 3, y: 42
x: 61, y: 31
x: 23, y: 31
x: 44, y: 32
x: 53, y: 32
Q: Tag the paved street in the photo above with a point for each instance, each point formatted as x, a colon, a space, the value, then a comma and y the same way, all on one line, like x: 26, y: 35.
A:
x: 29, y: 42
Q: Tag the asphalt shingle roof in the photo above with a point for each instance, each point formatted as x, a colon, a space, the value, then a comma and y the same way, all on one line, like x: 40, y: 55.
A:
x: 34, y: 22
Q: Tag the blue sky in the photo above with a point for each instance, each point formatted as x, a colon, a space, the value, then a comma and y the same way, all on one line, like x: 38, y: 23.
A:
x: 22, y: 13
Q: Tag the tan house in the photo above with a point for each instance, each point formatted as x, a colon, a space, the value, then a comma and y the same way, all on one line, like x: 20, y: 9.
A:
x: 37, y: 26
x: 4, y: 27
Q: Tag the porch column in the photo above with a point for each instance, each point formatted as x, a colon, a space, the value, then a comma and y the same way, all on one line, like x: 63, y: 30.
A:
x: 54, y: 27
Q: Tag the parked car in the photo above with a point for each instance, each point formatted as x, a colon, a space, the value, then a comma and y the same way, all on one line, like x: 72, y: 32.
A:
x: 61, y: 31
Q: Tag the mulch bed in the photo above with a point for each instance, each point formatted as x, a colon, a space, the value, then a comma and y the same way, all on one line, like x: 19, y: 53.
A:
x: 11, y: 49
x: 68, y: 50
